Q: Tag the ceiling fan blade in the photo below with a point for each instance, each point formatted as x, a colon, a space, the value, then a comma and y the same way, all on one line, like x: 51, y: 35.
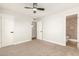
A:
x: 28, y: 7
x: 42, y: 9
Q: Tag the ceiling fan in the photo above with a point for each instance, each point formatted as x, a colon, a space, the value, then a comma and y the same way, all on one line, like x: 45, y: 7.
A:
x: 35, y: 8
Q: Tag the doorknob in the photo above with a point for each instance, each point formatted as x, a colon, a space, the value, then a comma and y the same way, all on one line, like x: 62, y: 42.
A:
x: 11, y: 32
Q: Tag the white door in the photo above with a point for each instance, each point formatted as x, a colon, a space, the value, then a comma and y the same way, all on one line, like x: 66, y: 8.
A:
x: 39, y: 30
x: 7, y: 30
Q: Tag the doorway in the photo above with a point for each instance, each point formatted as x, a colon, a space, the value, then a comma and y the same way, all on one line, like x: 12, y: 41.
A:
x: 34, y: 30
x: 71, y: 31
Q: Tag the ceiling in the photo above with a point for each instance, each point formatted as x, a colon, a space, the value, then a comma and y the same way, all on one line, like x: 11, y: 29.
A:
x: 49, y: 8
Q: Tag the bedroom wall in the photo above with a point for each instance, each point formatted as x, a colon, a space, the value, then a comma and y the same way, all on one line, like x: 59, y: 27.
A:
x: 22, y: 27
x: 54, y: 26
x: 0, y: 30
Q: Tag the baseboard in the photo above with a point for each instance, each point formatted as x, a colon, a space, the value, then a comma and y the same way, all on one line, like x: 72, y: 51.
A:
x: 21, y: 42
x: 62, y: 44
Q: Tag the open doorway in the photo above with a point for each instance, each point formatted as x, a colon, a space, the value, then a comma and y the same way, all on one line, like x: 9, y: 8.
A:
x: 71, y: 31
x: 34, y: 30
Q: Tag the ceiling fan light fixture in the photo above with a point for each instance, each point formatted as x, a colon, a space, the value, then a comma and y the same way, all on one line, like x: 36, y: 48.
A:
x: 34, y: 9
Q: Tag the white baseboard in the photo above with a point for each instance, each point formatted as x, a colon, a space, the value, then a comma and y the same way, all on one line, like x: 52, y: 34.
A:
x: 62, y: 44
x: 14, y: 43
x: 21, y: 42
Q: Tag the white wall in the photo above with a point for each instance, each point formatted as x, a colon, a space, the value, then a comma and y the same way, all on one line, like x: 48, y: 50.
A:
x: 22, y: 27
x: 0, y: 30
x: 54, y: 26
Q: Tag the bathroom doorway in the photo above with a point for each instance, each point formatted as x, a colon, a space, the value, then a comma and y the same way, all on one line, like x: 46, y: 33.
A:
x: 71, y: 31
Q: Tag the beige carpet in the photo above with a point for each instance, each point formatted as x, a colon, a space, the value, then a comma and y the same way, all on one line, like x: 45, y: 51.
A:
x: 38, y: 48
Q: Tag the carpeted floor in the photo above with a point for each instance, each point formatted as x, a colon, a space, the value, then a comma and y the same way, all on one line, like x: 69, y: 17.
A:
x: 38, y: 48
